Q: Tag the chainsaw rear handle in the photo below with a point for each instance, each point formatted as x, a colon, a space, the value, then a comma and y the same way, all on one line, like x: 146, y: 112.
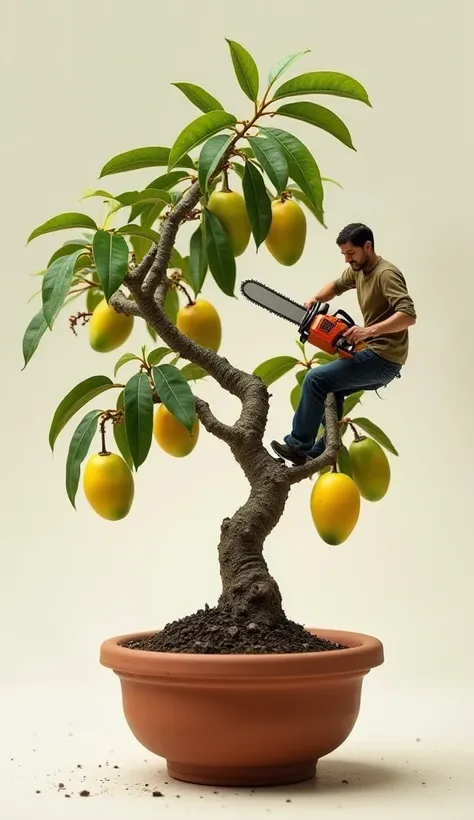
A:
x: 345, y: 316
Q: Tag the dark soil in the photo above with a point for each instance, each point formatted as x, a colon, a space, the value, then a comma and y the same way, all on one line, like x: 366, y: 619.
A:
x: 213, y: 632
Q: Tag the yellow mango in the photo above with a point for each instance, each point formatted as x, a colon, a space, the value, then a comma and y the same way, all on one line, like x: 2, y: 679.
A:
x: 335, y: 507
x: 229, y: 207
x: 107, y: 328
x: 287, y: 235
x: 171, y: 435
x: 370, y: 468
x: 200, y: 321
x: 109, y: 486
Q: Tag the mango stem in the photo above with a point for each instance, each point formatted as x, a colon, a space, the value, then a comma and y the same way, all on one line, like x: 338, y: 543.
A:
x: 103, y: 451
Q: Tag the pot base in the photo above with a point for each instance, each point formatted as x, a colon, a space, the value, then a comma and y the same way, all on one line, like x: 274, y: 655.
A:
x: 242, y: 776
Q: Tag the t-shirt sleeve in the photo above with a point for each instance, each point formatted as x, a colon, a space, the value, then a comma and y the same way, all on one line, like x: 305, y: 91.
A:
x: 345, y: 282
x: 394, y: 289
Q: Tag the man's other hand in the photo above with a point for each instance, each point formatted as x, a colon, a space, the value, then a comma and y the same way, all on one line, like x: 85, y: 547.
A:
x: 356, y: 334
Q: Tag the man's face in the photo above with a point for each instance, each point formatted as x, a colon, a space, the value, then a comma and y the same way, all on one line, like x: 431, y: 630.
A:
x: 356, y: 257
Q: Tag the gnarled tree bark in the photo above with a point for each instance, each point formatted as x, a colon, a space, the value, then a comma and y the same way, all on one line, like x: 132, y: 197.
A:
x: 248, y: 589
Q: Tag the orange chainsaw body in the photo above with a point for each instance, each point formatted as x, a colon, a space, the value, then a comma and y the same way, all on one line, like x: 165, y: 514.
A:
x: 325, y: 331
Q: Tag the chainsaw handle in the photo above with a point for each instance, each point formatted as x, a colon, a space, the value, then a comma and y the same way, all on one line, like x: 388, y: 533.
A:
x: 315, y: 309
x: 345, y: 316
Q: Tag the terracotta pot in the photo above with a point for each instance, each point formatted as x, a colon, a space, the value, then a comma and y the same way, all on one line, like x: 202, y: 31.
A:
x: 243, y: 720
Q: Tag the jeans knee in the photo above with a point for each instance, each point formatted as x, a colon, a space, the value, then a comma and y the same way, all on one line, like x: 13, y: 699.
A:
x: 315, y: 381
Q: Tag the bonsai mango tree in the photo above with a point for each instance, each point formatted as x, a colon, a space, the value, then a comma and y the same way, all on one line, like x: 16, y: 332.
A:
x: 242, y: 182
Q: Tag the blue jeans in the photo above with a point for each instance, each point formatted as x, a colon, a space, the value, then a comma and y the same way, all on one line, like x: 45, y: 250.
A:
x: 366, y: 370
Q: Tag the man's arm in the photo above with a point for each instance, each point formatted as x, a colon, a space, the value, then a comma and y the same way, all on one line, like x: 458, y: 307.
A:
x: 335, y: 288
x: 399, y: 321
x: 394, y: 289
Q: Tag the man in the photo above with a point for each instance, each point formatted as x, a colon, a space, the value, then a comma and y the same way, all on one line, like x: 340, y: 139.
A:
x: 388, y: 311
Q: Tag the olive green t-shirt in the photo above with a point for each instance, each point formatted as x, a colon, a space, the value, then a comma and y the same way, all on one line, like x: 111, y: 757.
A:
x: 381, y: 292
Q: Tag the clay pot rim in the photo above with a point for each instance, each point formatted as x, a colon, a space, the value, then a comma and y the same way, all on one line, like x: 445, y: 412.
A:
x: 364, y: 653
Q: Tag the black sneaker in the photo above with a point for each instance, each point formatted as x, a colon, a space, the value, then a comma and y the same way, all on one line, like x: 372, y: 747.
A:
x: 286, y: 452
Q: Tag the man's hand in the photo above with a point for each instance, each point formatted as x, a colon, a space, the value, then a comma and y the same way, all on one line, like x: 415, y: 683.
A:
x: 356, y: 334
x: 310, y: 302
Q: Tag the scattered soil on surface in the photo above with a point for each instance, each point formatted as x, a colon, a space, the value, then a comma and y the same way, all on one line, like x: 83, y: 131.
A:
x: 213, y: 632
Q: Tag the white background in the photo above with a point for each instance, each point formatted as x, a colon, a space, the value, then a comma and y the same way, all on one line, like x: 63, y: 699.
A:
x: 84, y: 81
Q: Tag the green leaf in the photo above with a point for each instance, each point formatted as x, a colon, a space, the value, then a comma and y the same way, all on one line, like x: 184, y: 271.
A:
x: 176, y: 394
x: 138, y: 406
x: 284, y: 64
x: 211, y: 154
x: 351, y: 401
x: 152, y: 332
x: 176, y: 260
x: 156, y: 355
x: 148, y: 213
x: 258, y: 204
x: 56, y: 283
x: 344, y: 461
x: 220, y: 255
x: 79, y: 396
x: 324, y: 358
x: 323, y: 82
x: 78, y: 448
x: 295, y: 396
x: 68, y: 248
x: 199, y: 97
x: 245, y: 69
x: 63, y: 222
x: 127, y: 357
x: 167, y: 181
x: 149, y: 195
x: 94, y: 296
x: 333, y: 181
x: 111, y: 260
x: 161, y: 184
x: 196, y: 132
x: 272, y: 160
x: 302, y: 166
x: 192, y: 372
x: 120, y: 436
x: 171, y: 304
x: 84, y: 264
x: 301, y: 197
x: 139, y: 230
x: 274, y: 368
x: 137, y: 158
x: 376, y: 433
x: 197, y: 261
x: 239, y: 169
x: 301, y: 375
x: 32, y: 336
x: 140, y: 247
x: 319, y: 116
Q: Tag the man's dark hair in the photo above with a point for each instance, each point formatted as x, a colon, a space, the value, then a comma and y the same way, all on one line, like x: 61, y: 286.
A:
x: 357, y: 234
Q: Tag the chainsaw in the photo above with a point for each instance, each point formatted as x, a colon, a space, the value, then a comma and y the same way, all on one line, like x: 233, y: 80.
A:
x: 315, y: 325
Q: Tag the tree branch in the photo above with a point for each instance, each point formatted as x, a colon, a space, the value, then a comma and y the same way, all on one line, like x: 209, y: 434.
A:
x: 123, y: 305
x: 213, y: 425
x: 157, y: 273
x: 329, y: 455
x: 149, y: 295
x: 139, y: 273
